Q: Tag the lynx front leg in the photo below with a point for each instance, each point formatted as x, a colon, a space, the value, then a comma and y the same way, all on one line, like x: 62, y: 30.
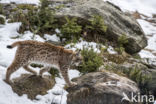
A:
x: 64, y: 72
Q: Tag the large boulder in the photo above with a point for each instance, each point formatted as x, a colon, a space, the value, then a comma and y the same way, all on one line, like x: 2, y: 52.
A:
x: 101, y: 88
x: 118, y: 22
x: 32, y: 85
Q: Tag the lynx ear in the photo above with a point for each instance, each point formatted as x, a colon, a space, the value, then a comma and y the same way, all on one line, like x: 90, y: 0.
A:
x: 78, y: 52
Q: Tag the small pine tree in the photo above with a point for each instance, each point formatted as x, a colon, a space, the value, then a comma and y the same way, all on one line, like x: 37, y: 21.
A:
x: 38, y: 20
x: 97, y: 24
x: 71, y: 30
x: 54, y: 72
x: 46, y: 17
x: 91, y: 61
x: 152, y: 84
x: 122, y: 40
x: 141, y: 78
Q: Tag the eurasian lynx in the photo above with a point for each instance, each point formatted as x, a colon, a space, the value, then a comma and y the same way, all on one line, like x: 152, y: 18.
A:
x: 50, y: 55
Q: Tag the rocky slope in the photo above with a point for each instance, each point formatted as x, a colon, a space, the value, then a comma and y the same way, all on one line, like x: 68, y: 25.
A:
x: 119, y: 76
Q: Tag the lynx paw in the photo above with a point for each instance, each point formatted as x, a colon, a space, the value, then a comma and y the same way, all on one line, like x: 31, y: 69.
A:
x: 7, y: 81
x: 73, y: 84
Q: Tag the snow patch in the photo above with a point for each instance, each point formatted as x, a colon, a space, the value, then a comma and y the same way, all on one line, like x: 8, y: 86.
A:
x: 54, y: 37
x: 83, y: 44
x: 147, y: 7
x: 21, y: 1
x: 146, y: 54
x: 111, y: 50
x: 147, y: 27
x: 150, y: 32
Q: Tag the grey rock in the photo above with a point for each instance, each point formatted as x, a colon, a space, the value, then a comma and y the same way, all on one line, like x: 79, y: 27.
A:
x: 10, y: 9
x: 118, y: 22
x: 101, y: 88
x: 32, y: 85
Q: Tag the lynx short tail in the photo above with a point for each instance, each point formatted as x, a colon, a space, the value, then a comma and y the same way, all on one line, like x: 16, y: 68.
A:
x: 13, y: 45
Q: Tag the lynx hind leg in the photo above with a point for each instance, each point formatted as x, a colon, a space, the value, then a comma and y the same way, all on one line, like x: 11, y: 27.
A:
x: 64, y: 72
x: 26, y: 67
x: 12, y: 68
x: 43, y: 70
x: 19, y: 61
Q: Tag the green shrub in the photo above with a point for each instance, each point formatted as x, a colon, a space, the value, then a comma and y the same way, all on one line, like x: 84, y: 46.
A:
x: 122, y: 40
x: 97, y: 24
x: 2, y: 20
x: 38, y: 20
x: 45, y: 18
x: 136, y: 56
x: 36, y: 65
x: 70, y: 30
x: 141, y: 78
x: 54, y: 72
x: 152, y: 84
x: 91, y: 61
x: 120, y: 50
x: 1, y: 9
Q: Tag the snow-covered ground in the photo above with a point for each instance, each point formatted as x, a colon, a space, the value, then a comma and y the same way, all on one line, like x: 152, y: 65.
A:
x: 150, y: 31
